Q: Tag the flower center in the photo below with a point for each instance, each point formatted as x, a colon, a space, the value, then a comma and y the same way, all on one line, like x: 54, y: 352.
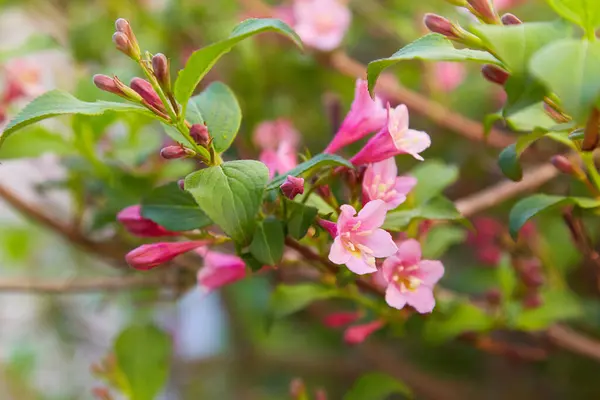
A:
x: 405, y: 280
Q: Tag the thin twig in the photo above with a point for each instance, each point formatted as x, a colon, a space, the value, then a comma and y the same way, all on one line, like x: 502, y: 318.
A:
x: 79, y: 285
x: 571, y: 340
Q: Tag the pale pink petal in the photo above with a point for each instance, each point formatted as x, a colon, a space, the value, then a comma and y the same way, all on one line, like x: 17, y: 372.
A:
x: 413, y: 142
x: 390, y: 266
x: 347, y: 213
x: 372, y: 215
x: 381, y: 243
x: 286, y: 157
x: 386, y: 169
x: 421, y: 299
x: 398, y: 120
x: 449, y: 75
x: 395, y: 201
x: 430, y: 272
x: 404, y: 184
x: 409, y: 252
x: 269, y: 158
x: 394, y: 297
x: 338, y: 254
x: 360, y: 266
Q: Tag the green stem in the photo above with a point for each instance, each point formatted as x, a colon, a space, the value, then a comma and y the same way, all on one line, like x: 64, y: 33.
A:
x: 588, y: 160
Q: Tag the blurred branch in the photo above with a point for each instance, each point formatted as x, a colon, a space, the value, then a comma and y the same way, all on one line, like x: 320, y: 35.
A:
x: 567, y: 338
x: 76, y: 285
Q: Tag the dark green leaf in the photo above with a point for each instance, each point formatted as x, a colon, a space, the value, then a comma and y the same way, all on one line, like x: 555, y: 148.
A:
x: 201, y: 61
x: 427, y: 188
x: 268, y: 242
x: 508, y: 161
x: 143, y: 355
x: 221, y: 112
x: 434, y: 47
x: 522, y: 92
x: 319, y: 161
x: 377, y: 386
x: 231, y: 195
x: 288, y: 299
x: 299, y: 217
x: 173, y: 209
x: 440, y: 209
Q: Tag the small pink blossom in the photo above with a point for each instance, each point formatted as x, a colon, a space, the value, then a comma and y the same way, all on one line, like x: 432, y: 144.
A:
x: 132, y: 220
x: 449, y: 75
x: 330, y: 227
x: 359, y: 333
x: 281, y: 160
x: 23, y: 79
x: 359, y: 238
x: 339, y: 319
x: 148, y: 256
x: 321, y: 24
x: 292, y: 187
x: 393, y: 139
x: 219, y: 269
x: 269, y: 134
x: 366, y: 115
x: 410, y: 279
x: 381, y: 182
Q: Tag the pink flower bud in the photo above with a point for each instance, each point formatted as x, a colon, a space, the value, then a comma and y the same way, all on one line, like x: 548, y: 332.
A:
x: 106, y: 83
x: 493, y: 297
x: 292, y: 187
x: 337, y: 320
x: 438, y: 24
x: 359, y: 333
x: 174, y: 152
x: 330, y: 227
x: 131, y: 218
x: 160, y: 66
x: 181, y: 184
x: 122, y: 26
x: 532, y: 300
x: 126, y: 91
x: 483, y: 9
x: 297, y: 389
x: 148, y: 256
x: 510, y: 19
x: 123, y: 44
x: 320, y: 394
x: 147, y: 92
x: 324, y: 191
x: 494, y: 74
x: 531, y: 273
x: 563, y: 164
x: 219, y: 269
x: 199, y: 132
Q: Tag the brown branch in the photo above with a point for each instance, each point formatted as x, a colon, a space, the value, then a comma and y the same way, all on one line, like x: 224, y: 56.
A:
x: 78, y: 285
x: 571, y: 340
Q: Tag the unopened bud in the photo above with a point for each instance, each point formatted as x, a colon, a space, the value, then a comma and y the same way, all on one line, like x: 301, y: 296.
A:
x: 174, y: 152
x: 123, y: 44
x: 123, y: 26
x: 493, y: 297
x: 160, y: 66
x: 483, y: 10
x: 297, y: 389
x: 563, y: 164
x: 494, y: 74
x: 147, y: 92
x: 330, y: 227
x: 438, y: 24
x: 532, y: 300
x: 181, y: 184
x: 510, y: 19
x: 106, y: 83
x: 531, y: 273
x: 320, y: 394
x: 148, y: 256
x: 199, y: 132
x: 131, y: 218
x: 292, y: 187
x: 324, y: 191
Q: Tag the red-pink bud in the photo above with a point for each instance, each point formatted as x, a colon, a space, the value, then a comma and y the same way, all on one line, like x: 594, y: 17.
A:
x: 148, y: 256
x: 320, y: 394
x: 199, y: 132
x: 122, y: 26
x: 493, y: 297
x: 494, y: 74
x: 324, y: 191
x: 438, y: 24
x: 160, y: 66
x: 147, y: 92
x: 489, y: 254
x: 483, y: 10
x: 181, y: 184
x: 359, y: 333
x: 132, y: 220
x: 532, y: 299
x: 330, y: 227
x: 123, y: 44
x: 510, y: 19
x: 563, y: 164
x: 106, y: 83
x: 297, y: 389
x: 292, y: 187
x: 174, y: 152
x: 219, y: 269
x: 337, y: 320
x: 126, y: 91
x: 531, y: 273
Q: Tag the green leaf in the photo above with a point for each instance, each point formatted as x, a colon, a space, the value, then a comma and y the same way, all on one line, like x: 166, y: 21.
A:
x: 522, y: 92
x: 428, y: 188
x: 433, y: 47
x: 221, y: 112
x: 231, y: 195
x: 55, y: 102
x: 557, y: 306
x: 585, y: 13
x: 33, y: 44
x: 507, y: 278
x: 377, y: 386
x: 530, y: 206
x: 299, y: 218
x: 268, y: 242
x: 143, y: 355
x: 201, y: 61
x: 173, y: 209
x: 569, y: 68
x: 34, y: 141
x: 461, y: 317
x: 440, y: 238
x: 439, y: 209
x: 319, y: 161
x: 508, y: 161
x: 527, y: 119
x: 288, y: 299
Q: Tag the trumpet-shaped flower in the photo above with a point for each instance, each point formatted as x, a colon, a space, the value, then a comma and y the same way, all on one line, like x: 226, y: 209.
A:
x: 381, y: 182
x: 219, y: 269
x: 148, y: 256
x: 132, y: 220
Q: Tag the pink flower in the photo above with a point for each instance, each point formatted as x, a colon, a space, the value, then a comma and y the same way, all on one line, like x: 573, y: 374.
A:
x: 292, y: 187
x: 321, y: 24
x: 504, y: 4
x: 359, y: 333
x: 23, y: 79
x: 449, y: 75
x: 132, y: 220
x: 269, y: 134
x: 148, y: 256
x: 280, y: 161
x: 359, y: 238
x: 219, y: 269
x: 393, y: 139
x: 365, y: 116
x: 330, y: 227
x: 337, y: 320
x: 410, y: 279
x: 381, y: 182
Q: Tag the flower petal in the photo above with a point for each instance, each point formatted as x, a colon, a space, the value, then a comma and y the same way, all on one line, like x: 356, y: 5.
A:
x: 386, y: 169
x: 431, y: 271
x: 409, y: 252
x: 404, y: 184
x: 390, y: 266
x: 413, y: 142
x: 347, y: 213
x: 372, y: 215
x: 360, y: 266
x: 421, y: 299
x: 381, y: 243
x: 338, y: 254
x: 394, y: 297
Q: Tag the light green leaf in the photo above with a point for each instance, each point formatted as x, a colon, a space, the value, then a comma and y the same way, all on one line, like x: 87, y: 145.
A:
x: 557, y: 306
x: 439, y: 208
x: 319, y: 161
x: 173, y: 209
x: 34, y: 141
x: 530, y: 206
x: 433, y: 47
x: 288, y: 299
x: 507, y: 278
x: 569, y: 68
x: 461, y: 317
x: 377, y: 386
x: 268, y: 242
x: 55, y: 102
x: 585, y: 13
x: 221, y: 112
x: 440, y: 238
x: 201, y: 61
x: 299, y: 218
x: 427, y: 188
x: 231, y: 195
x: 143, y: 355
x: 527, y: 119
x: 33, y: 44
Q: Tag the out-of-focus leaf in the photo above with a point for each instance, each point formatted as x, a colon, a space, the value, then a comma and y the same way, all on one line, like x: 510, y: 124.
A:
x: 585, y: 13
x: 439, y: 208
x: 299, y: 217
x: 319, y: 161
x: 288, y: 299
x: 33, y: 142
x: 440, y: 238
x: 507, y: 278
x: 427, y: 188
x: 557, y: 306
x: 33, y: 44
x: 268, y: 242
x: 508, y: 161
x: 461, y: 317
x: 377, y: 386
